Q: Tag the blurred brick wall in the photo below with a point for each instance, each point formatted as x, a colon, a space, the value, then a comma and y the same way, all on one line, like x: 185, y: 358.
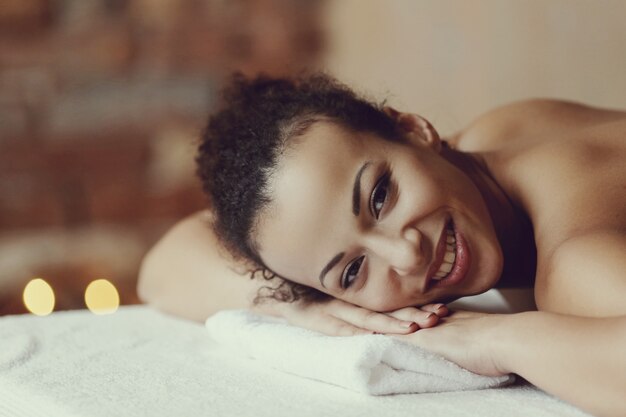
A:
x: 101, y: 104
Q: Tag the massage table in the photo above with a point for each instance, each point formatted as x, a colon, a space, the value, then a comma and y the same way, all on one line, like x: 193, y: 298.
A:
x: 141, y: 362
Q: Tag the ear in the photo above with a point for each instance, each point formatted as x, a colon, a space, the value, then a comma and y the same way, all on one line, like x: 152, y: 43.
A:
x: 415, y: 128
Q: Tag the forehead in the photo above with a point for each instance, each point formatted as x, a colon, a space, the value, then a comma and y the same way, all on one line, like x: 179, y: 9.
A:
x: 311, y: 193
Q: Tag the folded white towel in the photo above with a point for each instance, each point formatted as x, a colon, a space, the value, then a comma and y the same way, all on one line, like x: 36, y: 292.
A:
x: 372, y: 364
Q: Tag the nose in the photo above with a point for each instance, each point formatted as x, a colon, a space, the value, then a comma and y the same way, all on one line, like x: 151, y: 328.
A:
x: 403, y: 253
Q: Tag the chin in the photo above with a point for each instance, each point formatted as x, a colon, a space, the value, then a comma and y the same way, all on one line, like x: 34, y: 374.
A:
x: 490, y: 272
x: 486, y: 264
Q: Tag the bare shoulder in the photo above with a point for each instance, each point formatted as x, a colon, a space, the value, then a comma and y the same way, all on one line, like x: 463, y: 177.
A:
x: 527, y: 119
x: 537, y: 151
x: 190, y: 233
x: 585, y: 276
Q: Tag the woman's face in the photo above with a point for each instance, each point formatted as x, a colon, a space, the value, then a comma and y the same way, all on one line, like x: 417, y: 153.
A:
x: 377, y: 223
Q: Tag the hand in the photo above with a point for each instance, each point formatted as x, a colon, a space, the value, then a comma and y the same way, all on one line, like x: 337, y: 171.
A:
x: 466, y: 338
x: 340, y: 318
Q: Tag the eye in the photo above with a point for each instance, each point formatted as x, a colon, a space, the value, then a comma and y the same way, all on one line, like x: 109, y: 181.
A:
x: 351, y: 273
x: 379, y: 195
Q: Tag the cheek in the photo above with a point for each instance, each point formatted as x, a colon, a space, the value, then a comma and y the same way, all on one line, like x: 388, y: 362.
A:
x: 386, y: 294
x: 428, y: 192
x: 434, y: 181
x: 391, y: 301
x: 461, y: 192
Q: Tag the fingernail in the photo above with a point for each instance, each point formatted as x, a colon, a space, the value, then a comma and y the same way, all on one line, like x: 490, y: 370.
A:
x: 430, y: 315
x: 438, y: 306
x: 406, y: 324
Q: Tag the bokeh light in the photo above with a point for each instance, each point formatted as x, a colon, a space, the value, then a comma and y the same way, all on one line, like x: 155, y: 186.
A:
x: 101, y: 297
x: 38, y: 297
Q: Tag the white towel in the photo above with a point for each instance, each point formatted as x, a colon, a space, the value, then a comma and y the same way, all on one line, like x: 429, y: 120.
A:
x: 372, y: 364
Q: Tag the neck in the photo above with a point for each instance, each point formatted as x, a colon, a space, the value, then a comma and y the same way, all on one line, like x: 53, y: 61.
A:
x: 513, y: 227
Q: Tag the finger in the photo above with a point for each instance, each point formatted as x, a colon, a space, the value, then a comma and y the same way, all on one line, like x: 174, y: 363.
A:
x: 347, y: 329
x: 424, y: 319
x: 332, y: 326
x: 439, y: 309
x: 374, y: 321
x: 464, y: 314
x: 417, y: 339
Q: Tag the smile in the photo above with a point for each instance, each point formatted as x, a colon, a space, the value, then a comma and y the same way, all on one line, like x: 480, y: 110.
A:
x: 449, y: 256
x: 452, y: 259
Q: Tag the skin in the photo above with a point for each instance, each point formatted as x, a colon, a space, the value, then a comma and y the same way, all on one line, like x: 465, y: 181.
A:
x: 537, y: 188
x: 425, y: 191
x: 517, y: 187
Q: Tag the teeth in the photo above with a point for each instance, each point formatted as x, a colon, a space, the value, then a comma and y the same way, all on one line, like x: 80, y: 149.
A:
x: 448, y: 258
x: 440, y: 275
x: 446, y: 267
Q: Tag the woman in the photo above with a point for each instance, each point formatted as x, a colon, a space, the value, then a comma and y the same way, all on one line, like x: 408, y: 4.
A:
x: 369, y: 221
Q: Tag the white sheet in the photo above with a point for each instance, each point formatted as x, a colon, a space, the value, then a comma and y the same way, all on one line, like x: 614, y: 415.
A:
x: 138, y: 362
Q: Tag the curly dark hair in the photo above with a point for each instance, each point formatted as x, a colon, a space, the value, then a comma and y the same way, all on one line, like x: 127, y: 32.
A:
x: 243, y: 142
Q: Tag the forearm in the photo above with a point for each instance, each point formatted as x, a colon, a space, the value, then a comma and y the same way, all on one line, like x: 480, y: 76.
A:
x: 581, y: 360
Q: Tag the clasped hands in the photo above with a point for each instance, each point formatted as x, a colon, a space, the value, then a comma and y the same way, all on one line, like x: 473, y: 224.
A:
x: 464, y: 337
x: 340, y: 318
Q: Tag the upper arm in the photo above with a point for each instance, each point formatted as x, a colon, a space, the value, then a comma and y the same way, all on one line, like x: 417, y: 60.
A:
x: 189, y: 274
x: 585, y: 276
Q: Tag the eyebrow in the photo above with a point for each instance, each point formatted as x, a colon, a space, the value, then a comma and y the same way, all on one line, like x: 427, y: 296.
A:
x: 330, y: 266
x: 356, y: 190
x: 356, y: 208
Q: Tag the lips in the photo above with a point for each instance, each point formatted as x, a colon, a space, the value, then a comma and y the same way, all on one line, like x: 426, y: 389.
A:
x: 461, y: 261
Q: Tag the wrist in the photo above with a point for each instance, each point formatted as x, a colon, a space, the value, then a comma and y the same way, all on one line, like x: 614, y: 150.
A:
x: 507, y: 339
